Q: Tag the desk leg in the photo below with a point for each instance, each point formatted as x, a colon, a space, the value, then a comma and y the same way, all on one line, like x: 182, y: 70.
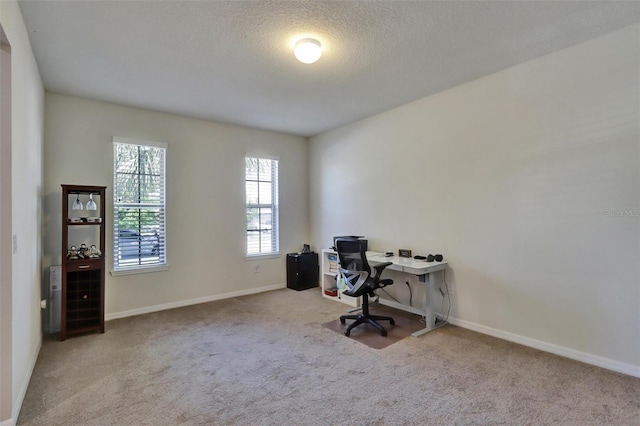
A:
x: 429, y: 297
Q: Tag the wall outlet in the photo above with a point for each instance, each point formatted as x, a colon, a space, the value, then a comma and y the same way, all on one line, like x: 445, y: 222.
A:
x: 15, y: 243
x: 256, y: 268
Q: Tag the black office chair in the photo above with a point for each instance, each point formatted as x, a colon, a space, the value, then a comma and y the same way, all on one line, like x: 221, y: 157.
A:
x: 356, y: 273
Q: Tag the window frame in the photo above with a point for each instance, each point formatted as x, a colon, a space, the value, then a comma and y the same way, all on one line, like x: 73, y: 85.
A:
x: 161, y: 205
x: 274, y: 206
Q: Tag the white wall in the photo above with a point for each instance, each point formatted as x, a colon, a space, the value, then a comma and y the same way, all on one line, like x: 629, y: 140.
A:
x: 27, y: 103
x: 527, y: 180
x: 5, y: 227
x: 205, y: 198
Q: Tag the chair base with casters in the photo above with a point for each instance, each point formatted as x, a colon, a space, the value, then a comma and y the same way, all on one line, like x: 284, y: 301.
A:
x: 366, y: 318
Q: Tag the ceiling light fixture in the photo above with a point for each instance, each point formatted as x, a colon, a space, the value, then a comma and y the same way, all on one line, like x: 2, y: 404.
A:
x: 307, y: 50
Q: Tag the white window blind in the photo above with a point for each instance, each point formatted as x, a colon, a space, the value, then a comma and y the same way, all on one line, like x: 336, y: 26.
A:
x: 261, y: 186
x: 139, y: 204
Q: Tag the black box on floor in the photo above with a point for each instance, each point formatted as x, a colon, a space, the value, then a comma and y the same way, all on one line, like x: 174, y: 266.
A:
x: 302, y: 270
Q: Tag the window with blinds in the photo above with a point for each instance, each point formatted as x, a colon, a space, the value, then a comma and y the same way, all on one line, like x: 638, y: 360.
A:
x: 138, y: 204
x: 261, y: 186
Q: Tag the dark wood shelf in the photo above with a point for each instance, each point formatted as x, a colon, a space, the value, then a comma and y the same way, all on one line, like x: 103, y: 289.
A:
x: 74, y: 265
x: 82, y: 279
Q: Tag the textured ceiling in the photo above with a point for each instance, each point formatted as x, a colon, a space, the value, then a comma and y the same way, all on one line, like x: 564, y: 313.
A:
x: 232, y: 61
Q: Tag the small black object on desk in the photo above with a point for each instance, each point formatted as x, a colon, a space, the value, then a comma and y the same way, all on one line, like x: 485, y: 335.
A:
x: 430, y: 258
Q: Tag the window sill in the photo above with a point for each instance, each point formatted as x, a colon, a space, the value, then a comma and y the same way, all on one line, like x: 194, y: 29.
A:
x: 140, y: 270
x: 261, y: 256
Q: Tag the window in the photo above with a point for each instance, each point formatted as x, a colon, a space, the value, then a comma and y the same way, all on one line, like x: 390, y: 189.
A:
x: 261, y: 185
x: 138, y: 204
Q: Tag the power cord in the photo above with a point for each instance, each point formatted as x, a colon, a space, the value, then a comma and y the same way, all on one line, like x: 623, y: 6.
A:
x: 445, y: 293
x: 448, y: 298
x: 410, y: 293
x: 390, y: 296
x: 384, y: 291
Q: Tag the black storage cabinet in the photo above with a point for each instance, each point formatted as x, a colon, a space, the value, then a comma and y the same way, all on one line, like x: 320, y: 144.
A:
x: 302, y: 270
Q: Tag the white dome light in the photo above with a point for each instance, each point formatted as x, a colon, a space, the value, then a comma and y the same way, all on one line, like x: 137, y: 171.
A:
x: 307, y: 50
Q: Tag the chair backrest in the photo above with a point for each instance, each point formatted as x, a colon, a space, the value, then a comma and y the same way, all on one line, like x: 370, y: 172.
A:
x: 352, y: 254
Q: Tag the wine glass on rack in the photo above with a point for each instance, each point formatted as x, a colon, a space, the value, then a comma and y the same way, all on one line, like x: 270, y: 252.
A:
x: 77, y: 205
x: 91, y: 205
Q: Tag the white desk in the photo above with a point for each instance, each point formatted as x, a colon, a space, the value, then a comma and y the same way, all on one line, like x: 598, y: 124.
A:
x: 427, y: 273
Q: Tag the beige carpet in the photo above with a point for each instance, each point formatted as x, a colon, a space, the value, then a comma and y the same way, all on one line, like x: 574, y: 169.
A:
x: 266, y: 359
x: 405, y: 324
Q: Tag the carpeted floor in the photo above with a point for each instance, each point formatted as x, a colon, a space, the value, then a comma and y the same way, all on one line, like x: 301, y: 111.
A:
x: 405, y: 324
x: 266, y: 359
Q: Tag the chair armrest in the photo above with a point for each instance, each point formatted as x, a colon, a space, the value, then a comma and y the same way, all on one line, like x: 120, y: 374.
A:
x: 379, y: 268
x: 385, y: 282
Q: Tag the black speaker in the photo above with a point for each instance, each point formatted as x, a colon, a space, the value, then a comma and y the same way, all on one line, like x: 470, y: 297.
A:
x: 302, y: 270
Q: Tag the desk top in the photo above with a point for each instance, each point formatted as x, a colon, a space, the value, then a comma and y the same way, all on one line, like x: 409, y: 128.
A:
x: 405, y: 264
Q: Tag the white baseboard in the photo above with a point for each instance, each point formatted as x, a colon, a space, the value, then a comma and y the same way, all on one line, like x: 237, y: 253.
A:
x: 7, y: 422
x: 189, y: 302
x: 17, y: 404
x: 609, y: 364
